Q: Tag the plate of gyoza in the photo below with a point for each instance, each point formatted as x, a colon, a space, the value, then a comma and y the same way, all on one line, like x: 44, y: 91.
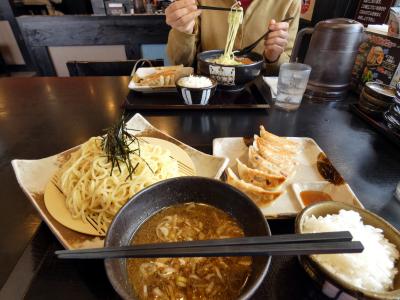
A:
x: 282, y: 175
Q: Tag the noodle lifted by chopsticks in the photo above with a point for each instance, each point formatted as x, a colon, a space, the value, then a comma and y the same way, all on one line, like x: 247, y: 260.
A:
x: 235, y: 18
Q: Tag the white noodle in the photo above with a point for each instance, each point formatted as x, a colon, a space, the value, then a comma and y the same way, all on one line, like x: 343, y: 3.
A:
x: 90, y: 190
x: 235, y: 18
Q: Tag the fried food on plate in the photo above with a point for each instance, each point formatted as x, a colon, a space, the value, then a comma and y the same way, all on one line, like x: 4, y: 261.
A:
x: 274, y: 149
x: 259, y: 162
x: 160, y: 76
x: 284, y: 162
x: 259, y: 195
x: 272, y: 160
x: 278, y: 141
x: 259, y: 178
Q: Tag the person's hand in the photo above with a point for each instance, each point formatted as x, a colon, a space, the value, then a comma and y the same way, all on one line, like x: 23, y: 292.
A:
x: 181, y: 15
x: 275, y: 42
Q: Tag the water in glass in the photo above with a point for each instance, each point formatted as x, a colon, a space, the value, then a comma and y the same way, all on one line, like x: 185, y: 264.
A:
x: 292, y: 83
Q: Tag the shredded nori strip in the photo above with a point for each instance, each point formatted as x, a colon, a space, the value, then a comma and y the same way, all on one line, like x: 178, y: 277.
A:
x: 117, y: 144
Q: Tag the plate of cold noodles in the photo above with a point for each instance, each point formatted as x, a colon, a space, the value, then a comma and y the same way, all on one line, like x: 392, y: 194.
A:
x: 35, y: 176
x: 89, y: 189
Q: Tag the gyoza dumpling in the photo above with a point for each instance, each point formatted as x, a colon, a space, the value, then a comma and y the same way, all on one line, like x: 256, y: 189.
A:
x: 260, y: 196
x: 273, y: 149
x: 259, y: 178
x: 278, y: 141
x: 258, y: 162
x: 169, y: 80
x: 283, y: 162
x: 159, y: 78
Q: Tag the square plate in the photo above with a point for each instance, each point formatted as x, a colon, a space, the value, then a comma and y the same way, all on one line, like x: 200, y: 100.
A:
x: 142, y: 72
x: 287, y: 205
x: 34, y: 175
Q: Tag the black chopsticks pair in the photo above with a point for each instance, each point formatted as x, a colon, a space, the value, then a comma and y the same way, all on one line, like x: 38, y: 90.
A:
x: 213, y: 7
x: 291, y: 244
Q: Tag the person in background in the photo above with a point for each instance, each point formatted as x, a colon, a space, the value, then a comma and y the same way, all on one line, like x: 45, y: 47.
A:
x: 194, y: 30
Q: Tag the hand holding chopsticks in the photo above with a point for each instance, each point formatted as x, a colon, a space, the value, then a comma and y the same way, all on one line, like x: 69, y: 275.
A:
x: 250, y: 47
x: 292, y: 244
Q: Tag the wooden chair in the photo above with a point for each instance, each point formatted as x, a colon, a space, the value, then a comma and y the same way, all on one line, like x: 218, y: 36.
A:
x: 114, y: 68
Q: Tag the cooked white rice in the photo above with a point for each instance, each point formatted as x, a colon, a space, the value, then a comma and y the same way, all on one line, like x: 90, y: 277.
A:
x: 195, y: 82
x: 374, y: 269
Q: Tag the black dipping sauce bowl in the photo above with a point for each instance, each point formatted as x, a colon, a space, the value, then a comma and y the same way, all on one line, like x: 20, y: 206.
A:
x: 196, y: 96
x: 181, y: 190
x: 229, y: 78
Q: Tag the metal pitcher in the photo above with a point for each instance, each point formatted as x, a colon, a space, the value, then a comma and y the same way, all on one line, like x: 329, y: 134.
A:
x: 331, y: 55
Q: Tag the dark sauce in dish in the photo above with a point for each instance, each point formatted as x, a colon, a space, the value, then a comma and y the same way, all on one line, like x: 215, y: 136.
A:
x: 328, y: 171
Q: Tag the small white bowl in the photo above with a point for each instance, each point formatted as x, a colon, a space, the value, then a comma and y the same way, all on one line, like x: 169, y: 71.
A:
x: 196, y: 96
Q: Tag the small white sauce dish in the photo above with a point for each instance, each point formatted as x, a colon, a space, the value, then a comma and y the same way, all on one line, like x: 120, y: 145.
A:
x: 340, y: 193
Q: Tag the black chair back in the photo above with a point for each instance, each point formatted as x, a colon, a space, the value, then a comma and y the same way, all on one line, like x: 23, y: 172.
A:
x: 107, y: 68
x: 26, y: 9
x: 3, y: 66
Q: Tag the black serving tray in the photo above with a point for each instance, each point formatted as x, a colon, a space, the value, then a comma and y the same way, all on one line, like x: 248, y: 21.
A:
x: 378, y: 124
x: 256, y: 95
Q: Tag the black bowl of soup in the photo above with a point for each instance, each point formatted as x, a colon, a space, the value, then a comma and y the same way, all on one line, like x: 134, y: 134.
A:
x: 230, y: 77
x: 186, y: 208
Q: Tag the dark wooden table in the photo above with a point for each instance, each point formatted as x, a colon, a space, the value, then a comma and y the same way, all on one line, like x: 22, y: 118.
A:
x: 43, y: 116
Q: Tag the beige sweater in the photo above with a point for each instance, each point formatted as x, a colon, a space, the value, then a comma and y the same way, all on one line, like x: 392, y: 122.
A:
x: 212, y: 27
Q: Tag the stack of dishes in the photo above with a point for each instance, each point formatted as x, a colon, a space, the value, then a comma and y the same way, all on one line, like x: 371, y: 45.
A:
x: 392, y: 116
x: 376, y: 98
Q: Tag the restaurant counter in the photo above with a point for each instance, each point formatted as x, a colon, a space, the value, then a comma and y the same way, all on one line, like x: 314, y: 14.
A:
x: 43, y: 116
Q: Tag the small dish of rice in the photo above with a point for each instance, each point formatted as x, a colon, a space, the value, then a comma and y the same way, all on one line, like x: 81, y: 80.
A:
x: 196, y: 90
x: 374, y: 269
x: 195, y: 82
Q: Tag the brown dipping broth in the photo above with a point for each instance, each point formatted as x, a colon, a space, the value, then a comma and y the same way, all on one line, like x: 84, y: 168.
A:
x: 243, y: 60
x: 188, y: 278
x: 311, y: 197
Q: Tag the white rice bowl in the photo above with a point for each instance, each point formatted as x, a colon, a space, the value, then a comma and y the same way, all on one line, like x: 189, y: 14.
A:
x: 374, y: 269
x: 195, y: 82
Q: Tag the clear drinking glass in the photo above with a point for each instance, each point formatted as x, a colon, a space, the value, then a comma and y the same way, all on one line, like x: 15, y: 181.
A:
x: 292, y: 83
